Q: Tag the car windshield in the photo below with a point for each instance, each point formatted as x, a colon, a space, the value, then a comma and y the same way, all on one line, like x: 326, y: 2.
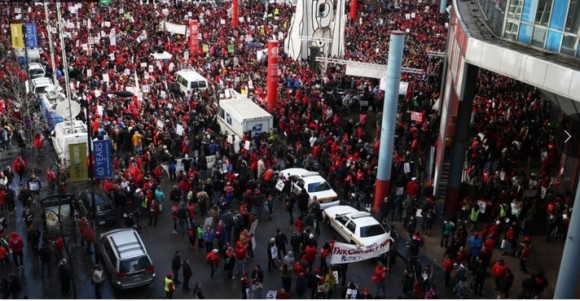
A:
x: 134, y: 264
x: 102, y: 202
x: 317, y: 187
x: 370, y: 231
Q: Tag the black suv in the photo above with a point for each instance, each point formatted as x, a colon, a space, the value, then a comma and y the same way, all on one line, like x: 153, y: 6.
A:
x: 105, y: 211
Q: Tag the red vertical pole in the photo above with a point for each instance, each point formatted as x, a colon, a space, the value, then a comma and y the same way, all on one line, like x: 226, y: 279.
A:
x: 353, y: 8
x: 272, y: 87
x: 235, y: 13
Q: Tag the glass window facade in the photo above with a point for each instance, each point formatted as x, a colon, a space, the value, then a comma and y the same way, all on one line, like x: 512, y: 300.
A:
x: 553, y: 25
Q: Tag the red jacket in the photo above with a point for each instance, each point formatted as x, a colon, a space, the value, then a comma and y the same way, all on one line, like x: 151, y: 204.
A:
x: 448, y: 264
x: 499, y: 270
x: 16, y: 243
x: 380, y: 274
x: 311, y: 253
x: 213, y: 258
x: 241, y: 251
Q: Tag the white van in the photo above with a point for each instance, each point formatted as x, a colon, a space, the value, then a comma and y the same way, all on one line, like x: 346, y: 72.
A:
x: 67, y: 133
x: 189, y: 80
x: 239, y: 114
x: 33, y: 55
x: 40, y: 84
x: 36, y: 70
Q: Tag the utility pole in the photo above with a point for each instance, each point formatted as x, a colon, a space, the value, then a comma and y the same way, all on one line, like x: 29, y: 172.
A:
x: 51, y: 46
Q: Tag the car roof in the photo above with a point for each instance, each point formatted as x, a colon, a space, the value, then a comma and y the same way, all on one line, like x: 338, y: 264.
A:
x: 360, y: 217
x: 126, y: 242
x: 35, y: 65
x: 42, y: 81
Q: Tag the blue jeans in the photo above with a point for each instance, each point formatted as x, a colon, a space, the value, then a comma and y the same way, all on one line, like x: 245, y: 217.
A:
x: 380, y: 286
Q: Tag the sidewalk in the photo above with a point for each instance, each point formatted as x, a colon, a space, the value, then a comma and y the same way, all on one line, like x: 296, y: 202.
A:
x: 545, y: 256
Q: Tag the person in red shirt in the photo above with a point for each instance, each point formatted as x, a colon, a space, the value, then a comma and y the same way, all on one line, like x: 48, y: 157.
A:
x: 498, y: 272
x: 16, y: 245
x: 299, y: 224
x: 59, y: 247
x: 412, y: 189
x: 524, y: 251
x: 241, y: 255
x: 379, y: 278
x: 447, y: 267
x: 213, y: 259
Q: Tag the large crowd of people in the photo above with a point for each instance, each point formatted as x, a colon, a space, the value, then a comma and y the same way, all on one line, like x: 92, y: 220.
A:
x: 314, y: 130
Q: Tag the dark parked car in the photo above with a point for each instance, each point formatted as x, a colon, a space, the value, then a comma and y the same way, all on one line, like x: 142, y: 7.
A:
x: 105, y: 211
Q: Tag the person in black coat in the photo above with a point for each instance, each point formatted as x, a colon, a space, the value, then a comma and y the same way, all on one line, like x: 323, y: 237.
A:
x: 65, y: 276
x: 281, y: 242
x: 15, y: 286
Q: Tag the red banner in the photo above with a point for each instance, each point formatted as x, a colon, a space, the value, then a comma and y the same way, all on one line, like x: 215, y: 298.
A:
x: 272, y: 92
x: 193, y: 38
x: 235, y: 13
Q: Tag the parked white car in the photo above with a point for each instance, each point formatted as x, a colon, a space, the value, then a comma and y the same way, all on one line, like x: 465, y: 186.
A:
x: 356, y: 227
x: 315, y: 185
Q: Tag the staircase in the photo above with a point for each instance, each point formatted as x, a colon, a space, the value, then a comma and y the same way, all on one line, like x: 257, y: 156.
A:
x: 443, y: 180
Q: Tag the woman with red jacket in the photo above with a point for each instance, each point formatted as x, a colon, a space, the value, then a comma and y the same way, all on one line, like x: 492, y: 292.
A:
x: 379, y: 278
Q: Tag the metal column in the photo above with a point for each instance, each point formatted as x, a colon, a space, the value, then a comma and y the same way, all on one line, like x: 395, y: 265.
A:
x: 567, y: 283
x: 388, y: 124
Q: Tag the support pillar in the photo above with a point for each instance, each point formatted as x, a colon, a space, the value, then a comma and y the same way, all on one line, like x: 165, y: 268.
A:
x: 272, y: 86
x: 442, y: 6
x: 235, y: 13
x: 393, y: 79
x: 461, y: 140
x: 567, y: 283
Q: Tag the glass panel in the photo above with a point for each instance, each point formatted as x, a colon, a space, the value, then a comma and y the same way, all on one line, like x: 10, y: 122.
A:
x: 573, y: 19
x: 568, y: 44
x: 529, y: 10
x: 494, y: 12
x: 525, y: 34
x: 511, y: 30
x: 558, y: 14
x: 539, y: 37
x: 543, y: 12
x: 515, y: 9
x: 554, y: 40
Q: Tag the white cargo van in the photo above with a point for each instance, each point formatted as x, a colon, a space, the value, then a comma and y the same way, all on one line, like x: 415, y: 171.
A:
x: 64, y: 135
x: 33, y: 55
x: 36, y: 70
x: 40, y: 84
x: 189, y: 80
x: 239, y: 114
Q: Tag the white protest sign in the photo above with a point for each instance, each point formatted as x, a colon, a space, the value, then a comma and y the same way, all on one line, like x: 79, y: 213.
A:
x: 105, y: 77
x: 179, y: 129
x: 210, y: 161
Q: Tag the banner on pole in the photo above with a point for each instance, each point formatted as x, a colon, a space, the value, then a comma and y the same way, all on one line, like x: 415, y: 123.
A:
x: 78, y: 162
x: 347, y: 253
x: 103, y: 159
x: 17, y: 36
x: 31, y: 35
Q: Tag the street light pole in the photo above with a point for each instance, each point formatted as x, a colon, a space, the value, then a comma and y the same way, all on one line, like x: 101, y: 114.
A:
x: 85, y: 102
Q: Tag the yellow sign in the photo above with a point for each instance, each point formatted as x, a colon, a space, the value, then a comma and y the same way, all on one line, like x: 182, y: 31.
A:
x: 17, y: 36
x: 78, y: 162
